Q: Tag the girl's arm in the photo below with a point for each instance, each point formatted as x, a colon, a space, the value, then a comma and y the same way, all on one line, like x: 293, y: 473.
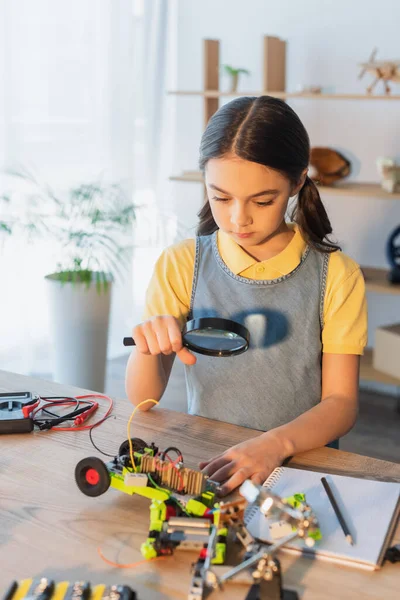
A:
x: 332, y: 418
x: 147, y: 377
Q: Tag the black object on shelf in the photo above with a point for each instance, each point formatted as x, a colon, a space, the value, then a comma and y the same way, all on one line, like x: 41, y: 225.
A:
x: 393, y: 256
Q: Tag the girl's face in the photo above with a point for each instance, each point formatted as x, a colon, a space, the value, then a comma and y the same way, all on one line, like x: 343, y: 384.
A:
x: 248, y: 201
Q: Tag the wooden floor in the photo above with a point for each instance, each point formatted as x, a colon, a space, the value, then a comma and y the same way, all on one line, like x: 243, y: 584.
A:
x: 376, y: 433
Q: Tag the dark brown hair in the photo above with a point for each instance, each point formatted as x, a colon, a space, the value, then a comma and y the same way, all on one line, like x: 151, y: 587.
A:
x: 265, y: 130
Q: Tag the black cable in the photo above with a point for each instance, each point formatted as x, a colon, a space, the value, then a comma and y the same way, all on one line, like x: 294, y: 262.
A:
x: 171, y: 449
x: 94, y: 445
x: 48, y: 412
x: 48, y: 424
x: 60, y: 401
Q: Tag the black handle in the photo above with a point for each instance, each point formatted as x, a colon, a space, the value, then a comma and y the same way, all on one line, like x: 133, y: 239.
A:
x: 129, y: 341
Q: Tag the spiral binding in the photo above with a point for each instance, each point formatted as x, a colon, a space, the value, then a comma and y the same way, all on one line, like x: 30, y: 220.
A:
x: 252, y: 509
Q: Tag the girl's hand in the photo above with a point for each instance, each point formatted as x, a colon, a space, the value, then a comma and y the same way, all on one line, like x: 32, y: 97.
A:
x: 253, y: 459
x: 161, y: 335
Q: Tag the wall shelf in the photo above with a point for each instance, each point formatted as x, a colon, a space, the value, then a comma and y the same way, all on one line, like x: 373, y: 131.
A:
x: 368, y: 373
x: 372, y: 190
x: 284, y: 95
x: 376, y: 281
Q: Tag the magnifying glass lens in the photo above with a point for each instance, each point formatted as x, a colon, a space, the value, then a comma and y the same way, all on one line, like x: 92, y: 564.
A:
x: 214, y: 336
x: 215, y: 339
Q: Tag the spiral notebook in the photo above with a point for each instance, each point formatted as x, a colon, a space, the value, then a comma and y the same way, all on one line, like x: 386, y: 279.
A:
x: 370, y: 509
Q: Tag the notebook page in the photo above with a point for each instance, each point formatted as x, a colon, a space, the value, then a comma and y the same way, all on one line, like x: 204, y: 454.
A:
x: 367, y: 507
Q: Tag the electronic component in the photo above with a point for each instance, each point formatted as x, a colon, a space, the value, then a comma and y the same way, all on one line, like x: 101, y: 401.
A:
x: 45, y: 589
x: 186, y: 514
x: 15, y: 410
x: 41, y: 589
x: 80, y: 590
x: 118, y: 592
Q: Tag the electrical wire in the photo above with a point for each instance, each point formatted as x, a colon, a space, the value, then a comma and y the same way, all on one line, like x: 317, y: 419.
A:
x: 94, y: 445
x: 173, y: 466
x: 129, y: 429
x: 86, y: 427
x: 154, y: 483
x: 79, y: 414
x: 54, y: 401
x: 128, y: 566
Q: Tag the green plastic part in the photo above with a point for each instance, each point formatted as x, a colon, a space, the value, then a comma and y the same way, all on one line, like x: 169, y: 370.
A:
x: 195, y: 507
x: 117, y: 482
x: 296, y: 500
x: 315, y: 534
x: 158, y: 514
x: 220, y: 554
x: 147, y: 549
x: 208, y: 498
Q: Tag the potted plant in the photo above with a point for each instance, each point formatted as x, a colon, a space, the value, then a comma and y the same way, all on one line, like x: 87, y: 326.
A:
x: 234, y: 76
x: 89, y: 223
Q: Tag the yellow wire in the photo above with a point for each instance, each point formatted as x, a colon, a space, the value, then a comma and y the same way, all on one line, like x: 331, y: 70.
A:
x: 129, y: 429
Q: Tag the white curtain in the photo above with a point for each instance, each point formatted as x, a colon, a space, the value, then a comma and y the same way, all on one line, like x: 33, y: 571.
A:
x: 82, y: 95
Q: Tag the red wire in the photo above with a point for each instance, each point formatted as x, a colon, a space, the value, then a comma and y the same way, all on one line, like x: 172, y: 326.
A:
x: 173, y: 465
x: 67, y: 403
x: 83, y: 427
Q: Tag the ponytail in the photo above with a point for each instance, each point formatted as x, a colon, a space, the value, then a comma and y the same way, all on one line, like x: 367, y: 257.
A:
x: 206, y: 225
x: 312, y: 219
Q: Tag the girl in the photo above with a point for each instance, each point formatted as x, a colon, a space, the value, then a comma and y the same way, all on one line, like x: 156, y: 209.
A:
x: 301, y: 298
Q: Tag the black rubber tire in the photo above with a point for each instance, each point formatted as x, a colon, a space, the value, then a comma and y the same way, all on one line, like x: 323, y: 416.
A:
x: 137, y: 443
x: 95, y: 464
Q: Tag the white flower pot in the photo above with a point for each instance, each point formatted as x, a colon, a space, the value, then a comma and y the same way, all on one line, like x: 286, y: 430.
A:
x: 79, y: 320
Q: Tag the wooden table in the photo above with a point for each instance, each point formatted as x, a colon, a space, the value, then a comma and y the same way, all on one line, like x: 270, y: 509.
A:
x: 48, y: 527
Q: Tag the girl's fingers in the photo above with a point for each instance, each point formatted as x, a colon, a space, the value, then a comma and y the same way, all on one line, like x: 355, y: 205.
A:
x: 162, y: 333
x: 151, y: 338
x: 175, y: 337
x: 216, y: 464
x: 203, y: 464
x: 186, y: 357
x: 258, y: 478
x: 224, y: 472
x: 140, y: 341
x: 234, y: 482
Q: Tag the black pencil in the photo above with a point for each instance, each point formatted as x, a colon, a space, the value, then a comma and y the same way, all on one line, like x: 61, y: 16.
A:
x: 339, y: 515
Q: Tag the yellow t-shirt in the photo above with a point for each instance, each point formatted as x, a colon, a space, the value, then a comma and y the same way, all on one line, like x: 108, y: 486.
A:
x: 345, y: 308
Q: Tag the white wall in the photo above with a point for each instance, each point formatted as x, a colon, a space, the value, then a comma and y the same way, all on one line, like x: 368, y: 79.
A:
x: 325, y: 42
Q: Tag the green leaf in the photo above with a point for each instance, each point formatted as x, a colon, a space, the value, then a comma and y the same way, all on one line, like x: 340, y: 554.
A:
x: 5, y: 228
x: 98, y: 282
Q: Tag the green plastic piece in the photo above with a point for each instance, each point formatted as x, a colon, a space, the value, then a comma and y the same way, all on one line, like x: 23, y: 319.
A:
x: 296, y: 500
x: 147, y: 549
x: 117, y: 482
x: 220, y: 554
x: 158, y: 514
x: 195, y: 507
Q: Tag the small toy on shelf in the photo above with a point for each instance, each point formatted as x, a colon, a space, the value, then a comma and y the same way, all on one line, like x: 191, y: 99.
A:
x: 393, y: 255
x: 385, y: 70
x: 185, y: 513
x: 328, y: 166
x: 308, y: 89
x: 390, y: 174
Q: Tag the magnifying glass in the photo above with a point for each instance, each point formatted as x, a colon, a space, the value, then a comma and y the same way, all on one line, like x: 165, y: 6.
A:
x: 212, y: 336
